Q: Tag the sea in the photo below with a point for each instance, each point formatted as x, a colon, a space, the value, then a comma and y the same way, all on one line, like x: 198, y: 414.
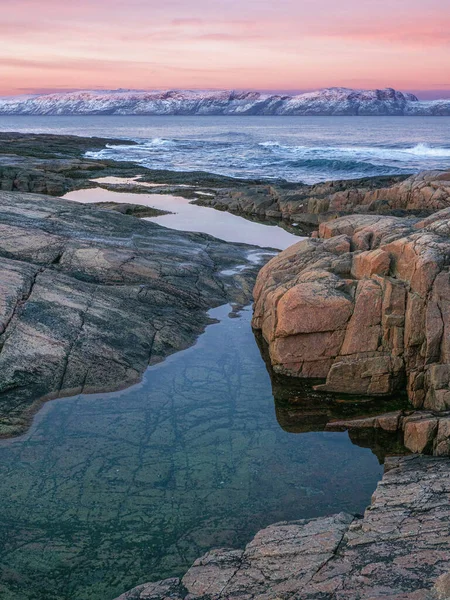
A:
x: 297, y: 149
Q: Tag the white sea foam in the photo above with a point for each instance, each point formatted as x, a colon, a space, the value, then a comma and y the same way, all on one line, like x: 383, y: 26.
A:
x: 305, y: 149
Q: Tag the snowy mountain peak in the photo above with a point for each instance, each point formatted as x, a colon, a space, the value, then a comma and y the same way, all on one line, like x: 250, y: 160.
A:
x: 329, y: 101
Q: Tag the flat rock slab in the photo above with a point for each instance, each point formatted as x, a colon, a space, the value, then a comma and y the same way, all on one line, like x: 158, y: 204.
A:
x: 89, y: 298
x: 399, y: 550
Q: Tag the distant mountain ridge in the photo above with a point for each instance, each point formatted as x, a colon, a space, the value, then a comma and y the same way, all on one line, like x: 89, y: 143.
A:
x: 329, y: 101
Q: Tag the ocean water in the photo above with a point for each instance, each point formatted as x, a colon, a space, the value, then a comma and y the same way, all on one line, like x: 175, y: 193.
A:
x: 308, y: 149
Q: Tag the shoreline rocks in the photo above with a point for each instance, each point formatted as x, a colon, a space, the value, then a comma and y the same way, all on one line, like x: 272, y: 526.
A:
x: 364, y: 305
x: 309, y: 205
x: 399, y: 549
x: 90, y: 298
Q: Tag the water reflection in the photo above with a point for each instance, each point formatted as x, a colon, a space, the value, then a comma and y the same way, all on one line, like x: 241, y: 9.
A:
x: 190, y: 217
x: 300, y: 409
x: 111, y: 490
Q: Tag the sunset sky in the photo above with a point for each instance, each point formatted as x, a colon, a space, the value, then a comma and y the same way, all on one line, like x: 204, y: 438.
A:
x: 51, y: 45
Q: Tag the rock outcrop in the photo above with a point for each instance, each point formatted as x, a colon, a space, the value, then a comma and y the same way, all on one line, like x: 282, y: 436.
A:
x: 365, y: 306
x: 428, y: 191
x: 309, y: 205
x: 423, y: 432
x: 90, y: 297
x: 400, y: 550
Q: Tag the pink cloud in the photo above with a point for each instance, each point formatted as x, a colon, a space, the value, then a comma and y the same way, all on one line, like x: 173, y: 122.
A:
x: 246, y: 43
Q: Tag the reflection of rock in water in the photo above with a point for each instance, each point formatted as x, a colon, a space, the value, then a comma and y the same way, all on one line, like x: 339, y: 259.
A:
x: 371, y: 422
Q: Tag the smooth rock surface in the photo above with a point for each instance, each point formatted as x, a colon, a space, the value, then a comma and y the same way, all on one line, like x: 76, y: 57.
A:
x: 90, y: 298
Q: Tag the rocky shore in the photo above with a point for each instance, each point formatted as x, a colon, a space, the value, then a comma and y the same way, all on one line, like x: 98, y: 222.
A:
x: 91, y: 297
x: 309, y: 205
x: 399, y: 550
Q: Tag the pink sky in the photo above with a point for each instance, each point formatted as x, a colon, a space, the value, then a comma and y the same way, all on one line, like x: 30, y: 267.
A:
x: 248, y: 44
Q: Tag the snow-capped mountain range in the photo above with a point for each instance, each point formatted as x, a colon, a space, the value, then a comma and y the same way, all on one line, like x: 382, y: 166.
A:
x: 330, y: 101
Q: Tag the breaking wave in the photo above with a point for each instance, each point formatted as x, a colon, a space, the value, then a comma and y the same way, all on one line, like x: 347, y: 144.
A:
x: 237, y: 154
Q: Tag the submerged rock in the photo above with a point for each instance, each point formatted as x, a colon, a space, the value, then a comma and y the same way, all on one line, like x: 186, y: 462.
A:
x: 90, y: 298
x: 399, y: 549
x: 364, y: 306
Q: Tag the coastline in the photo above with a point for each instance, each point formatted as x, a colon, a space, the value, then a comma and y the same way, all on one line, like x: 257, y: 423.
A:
x: 60, y: 259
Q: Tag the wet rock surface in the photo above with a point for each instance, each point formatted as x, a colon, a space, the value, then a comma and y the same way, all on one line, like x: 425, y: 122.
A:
x: 91, y: 297
x: 399, y: 549
x: 365, y: 306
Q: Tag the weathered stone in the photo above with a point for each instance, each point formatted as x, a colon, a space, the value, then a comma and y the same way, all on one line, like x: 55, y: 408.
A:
x: 168, y: 589
x: 363, y: 331
x: 442, y: 440
x: 400, y: 549
x: 312, y: 307
x: 90, y: 298
x: 395, y: 311
x: 375, y: 262
x: 419, y: 434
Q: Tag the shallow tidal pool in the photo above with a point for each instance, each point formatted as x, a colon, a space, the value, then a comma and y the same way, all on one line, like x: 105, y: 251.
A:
x: 186, y: 216
x: 111, y: 490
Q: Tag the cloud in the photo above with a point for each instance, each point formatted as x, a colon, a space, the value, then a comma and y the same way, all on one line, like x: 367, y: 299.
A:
x: 192, y: 22
x: 227, y: 37
x: 77, y: 64
x: 407, y: 33
x: 308, y: 44
x: 188, y: 22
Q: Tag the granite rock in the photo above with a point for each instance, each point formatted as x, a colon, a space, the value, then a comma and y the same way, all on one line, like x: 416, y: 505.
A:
x: 371, y: 317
